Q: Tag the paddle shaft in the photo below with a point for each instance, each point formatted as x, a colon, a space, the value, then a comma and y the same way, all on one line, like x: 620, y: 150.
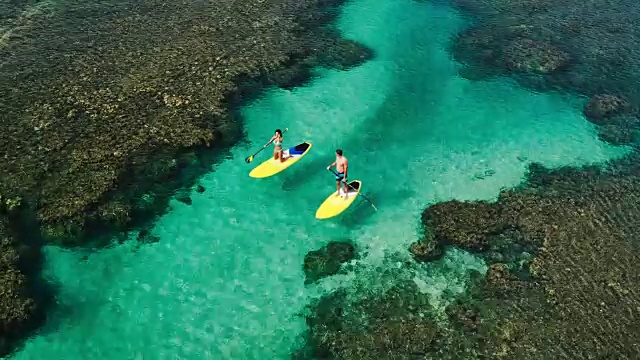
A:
x: 359, y: 192
x: 250, y: 158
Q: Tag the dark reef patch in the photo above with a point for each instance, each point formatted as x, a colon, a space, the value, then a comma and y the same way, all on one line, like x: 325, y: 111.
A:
x: 327, y: 260
x: 427, y: 249
x: 602, y: 107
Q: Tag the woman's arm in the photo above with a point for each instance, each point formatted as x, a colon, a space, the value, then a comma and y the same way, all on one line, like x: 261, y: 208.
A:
x: 270, y: 141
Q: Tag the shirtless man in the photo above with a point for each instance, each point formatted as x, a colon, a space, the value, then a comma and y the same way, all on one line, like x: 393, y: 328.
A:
x: 342, y: 166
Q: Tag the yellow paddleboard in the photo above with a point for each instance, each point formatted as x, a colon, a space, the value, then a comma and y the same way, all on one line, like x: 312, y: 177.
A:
x: 271, y: 167
x: 336, y: 204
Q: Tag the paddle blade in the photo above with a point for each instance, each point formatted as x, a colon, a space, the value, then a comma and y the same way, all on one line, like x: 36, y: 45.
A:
x: 249, y: 159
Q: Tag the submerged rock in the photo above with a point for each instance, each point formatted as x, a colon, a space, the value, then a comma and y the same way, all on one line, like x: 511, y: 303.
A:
x: 327, y: 260
x: 528, y: 55
x: 145, y: 237
x: 602, y: 107
x: 426, y: 250
x: 184, y: 198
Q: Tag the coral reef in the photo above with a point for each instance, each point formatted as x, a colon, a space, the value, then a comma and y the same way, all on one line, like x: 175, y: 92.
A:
x: 327, y: 260
x: 427, y: 248
x: 582, y: 272
x: 563, y: 278
x: 583, y: 263
x: 590, y: 48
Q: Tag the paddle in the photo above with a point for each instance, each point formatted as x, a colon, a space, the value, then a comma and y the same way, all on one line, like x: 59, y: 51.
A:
x: 359, y: 192
x: 249, y: 159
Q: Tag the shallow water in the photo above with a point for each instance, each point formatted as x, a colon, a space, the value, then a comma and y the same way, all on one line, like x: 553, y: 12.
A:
x: 225, y: 281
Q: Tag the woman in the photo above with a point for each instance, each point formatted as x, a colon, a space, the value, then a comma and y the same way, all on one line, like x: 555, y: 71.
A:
x: 276, y: 139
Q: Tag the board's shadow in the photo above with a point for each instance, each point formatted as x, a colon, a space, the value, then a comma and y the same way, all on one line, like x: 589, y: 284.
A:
x: 302, y: 172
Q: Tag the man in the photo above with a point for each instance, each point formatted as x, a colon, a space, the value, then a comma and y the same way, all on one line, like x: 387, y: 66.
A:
x: 342, y: 166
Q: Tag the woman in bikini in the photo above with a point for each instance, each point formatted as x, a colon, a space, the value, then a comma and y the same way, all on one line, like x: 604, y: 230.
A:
x: 276, y: 139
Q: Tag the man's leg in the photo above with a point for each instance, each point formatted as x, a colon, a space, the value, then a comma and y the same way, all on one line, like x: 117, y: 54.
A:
x: 339, y: 179
x: 346, y: 189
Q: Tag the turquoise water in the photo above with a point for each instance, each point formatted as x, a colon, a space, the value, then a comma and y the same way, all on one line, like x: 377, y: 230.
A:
x: 226, y: 282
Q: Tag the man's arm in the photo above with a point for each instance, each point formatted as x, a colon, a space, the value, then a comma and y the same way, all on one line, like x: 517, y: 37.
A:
x: 346, y: 169
x: 332, y: 164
